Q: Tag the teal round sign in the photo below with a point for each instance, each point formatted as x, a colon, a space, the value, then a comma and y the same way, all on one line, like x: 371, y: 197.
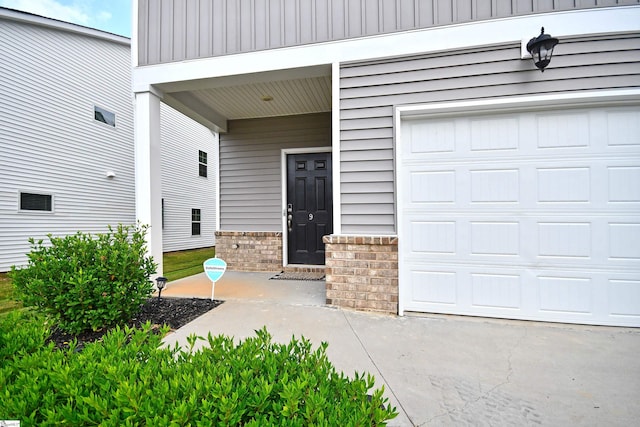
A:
x: 214, y: 268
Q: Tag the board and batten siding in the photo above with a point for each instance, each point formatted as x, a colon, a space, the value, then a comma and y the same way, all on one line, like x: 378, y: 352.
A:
x: 250, y: 167
x: 176, y: 30
x: 182, y: 187
x: 370, y: 90
x: 49, y: 141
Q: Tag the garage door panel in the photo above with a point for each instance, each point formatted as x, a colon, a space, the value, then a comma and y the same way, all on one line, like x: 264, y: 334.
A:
x: 623, y: 128
x: 564, y: 295
x: 563, y: 130
x: 564, y: 184
x: 524, y: 239
x: 496, y: 291
x: 600, y: 131
x: 609, y: 184
x: 435, y: 287
x: 624, y: 298
x: 495, y: 238
x: 525, y: 215
x: 468, y: 290
x: 621, y: 188
x: 564, y: 239
x: 624, y: 241
x: 545, y: 294
x: 493, y: 185
x: 492, y: 134
x: 436, y: 237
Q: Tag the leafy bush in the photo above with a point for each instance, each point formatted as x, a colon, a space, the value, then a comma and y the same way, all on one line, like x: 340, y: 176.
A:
x: 129, y: 379
x: 85, y: 281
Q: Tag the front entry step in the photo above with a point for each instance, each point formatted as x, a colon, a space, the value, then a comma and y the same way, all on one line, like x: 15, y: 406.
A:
x: 301, y: 272
x: 301, y: 268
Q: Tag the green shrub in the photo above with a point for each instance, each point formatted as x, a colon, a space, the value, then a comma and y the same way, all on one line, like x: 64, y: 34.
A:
x: 129, y: 379
x: 85, y: 281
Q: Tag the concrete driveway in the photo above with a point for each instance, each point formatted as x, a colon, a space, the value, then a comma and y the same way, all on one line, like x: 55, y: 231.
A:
x: 442, y: 370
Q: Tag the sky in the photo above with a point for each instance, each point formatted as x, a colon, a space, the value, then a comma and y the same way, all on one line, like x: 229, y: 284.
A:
x: 113, y: 16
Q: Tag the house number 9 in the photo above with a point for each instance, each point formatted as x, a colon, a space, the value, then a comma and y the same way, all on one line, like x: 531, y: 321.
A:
x: 310, y: 217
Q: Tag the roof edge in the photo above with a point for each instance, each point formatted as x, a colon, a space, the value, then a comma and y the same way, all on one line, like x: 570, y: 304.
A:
x: 30, y: 18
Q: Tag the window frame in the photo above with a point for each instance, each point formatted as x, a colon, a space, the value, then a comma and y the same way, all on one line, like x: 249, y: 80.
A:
x: 102, y: 112
x: 51, y: 202
x: 196, y: 222
x: 203, y: 164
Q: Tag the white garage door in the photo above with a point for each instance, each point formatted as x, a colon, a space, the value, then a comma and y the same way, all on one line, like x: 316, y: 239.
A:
x: 529, y: 215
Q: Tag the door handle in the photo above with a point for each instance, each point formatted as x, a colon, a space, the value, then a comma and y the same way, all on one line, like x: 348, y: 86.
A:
x: 290, y: 222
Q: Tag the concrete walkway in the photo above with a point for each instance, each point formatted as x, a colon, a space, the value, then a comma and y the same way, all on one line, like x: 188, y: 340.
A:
x: 442, y: 370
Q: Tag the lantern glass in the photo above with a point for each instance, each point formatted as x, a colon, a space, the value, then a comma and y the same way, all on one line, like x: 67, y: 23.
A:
x: 160, y: 283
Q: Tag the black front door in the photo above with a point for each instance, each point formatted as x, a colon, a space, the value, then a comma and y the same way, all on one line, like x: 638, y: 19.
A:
x: 309, y: 206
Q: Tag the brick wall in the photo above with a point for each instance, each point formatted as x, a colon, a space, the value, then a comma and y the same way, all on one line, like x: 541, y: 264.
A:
x: 250, y: 250
x: 362, y: 272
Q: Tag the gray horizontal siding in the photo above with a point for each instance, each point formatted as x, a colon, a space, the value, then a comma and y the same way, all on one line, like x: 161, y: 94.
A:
x: 175, y: 30
x: 250, y: 167
x: 370, y: 90
x: 182, y: 187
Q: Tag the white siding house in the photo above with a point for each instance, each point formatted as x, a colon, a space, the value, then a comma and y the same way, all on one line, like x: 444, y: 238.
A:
x: 67, y: 140
x: 411, y: 149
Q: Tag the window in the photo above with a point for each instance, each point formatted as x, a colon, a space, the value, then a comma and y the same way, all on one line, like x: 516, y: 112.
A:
x: 35, y: 202
x: 202, y: 163
x: 104, y: 116
x: 195, y: 222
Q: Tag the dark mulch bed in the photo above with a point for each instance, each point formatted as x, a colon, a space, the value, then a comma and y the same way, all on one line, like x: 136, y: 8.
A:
x: 174, y: 312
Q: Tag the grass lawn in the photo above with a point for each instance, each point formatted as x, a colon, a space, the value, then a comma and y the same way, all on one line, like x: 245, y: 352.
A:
x: 176, y: 266
x: 7, y: 302
x: 186, y: 263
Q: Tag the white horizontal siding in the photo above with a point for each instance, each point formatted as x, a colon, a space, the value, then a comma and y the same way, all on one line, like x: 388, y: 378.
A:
x: 182, y: 188
x: 370, y: 90
x: 250, y: 167
x: 49, y: 141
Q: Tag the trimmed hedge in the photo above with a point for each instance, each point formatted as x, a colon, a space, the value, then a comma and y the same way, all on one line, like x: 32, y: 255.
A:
x: 85, y: 281
x: 130, y: 379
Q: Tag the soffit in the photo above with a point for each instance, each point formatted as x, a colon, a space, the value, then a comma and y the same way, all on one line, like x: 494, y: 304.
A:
x: 247, y: 100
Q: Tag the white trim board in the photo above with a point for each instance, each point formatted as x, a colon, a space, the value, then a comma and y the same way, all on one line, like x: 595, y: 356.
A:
x: 554, y: 100
x: 335, y: 143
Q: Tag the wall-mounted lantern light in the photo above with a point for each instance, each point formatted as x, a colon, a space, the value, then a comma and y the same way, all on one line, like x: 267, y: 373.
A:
x: 541, y: 49
x: 161, y: 282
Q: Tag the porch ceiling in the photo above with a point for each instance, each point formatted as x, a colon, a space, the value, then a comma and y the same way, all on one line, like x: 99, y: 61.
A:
x: 267, y: 99
x: 214, y: 101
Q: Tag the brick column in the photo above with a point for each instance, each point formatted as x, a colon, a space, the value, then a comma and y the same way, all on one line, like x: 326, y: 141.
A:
x: 250, y: 250
x: 362, y: 272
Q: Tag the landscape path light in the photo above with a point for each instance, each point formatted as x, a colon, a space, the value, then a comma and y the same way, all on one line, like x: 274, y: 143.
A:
x: 161, y: 283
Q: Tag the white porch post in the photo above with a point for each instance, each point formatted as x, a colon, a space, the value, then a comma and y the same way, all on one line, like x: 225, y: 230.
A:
x: 148, y: 170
